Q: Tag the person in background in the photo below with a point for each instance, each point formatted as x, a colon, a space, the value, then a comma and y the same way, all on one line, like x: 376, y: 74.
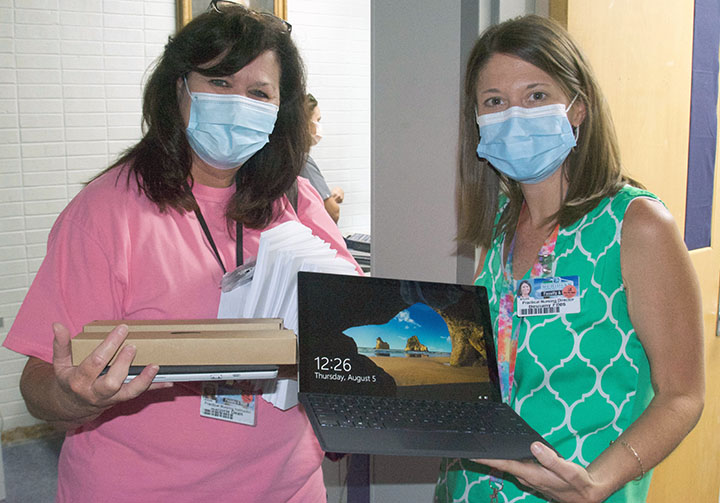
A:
x: 331, y: 198
x: 616, y: 384
x: 225, y: 137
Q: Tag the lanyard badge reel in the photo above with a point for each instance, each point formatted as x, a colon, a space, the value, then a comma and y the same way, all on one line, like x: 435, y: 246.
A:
x: 242, y: 275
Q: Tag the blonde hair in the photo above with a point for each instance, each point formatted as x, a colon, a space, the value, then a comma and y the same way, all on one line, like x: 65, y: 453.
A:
x: 593, y: 168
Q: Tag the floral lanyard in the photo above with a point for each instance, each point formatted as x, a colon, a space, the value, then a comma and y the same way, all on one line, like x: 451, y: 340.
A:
x: 507, y: 338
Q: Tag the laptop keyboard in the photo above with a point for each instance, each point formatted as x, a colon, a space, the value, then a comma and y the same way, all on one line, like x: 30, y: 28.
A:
x: 351, y: 411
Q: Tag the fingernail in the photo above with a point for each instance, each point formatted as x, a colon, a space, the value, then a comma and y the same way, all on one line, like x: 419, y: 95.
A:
x: 122, y: 329
x: 536, y: 448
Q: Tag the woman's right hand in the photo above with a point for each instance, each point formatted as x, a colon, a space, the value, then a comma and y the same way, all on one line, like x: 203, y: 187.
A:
x: 69, y: 395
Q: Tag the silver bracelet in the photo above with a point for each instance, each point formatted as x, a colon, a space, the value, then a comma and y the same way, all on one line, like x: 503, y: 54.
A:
x: 637, y: 456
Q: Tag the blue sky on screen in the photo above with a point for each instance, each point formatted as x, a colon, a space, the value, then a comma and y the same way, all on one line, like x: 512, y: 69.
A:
x: 417, y: 319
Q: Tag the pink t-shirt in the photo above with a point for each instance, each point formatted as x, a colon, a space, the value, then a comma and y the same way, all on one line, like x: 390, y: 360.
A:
x: 113, y: 255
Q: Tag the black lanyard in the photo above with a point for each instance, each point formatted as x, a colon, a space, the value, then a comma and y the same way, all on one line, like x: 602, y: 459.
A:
x: 208, y: 235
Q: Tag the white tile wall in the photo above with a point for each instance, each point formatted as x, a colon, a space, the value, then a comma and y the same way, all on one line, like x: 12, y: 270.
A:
x: 63, y: 97
x: 70, y: 98
x: 334, y: 39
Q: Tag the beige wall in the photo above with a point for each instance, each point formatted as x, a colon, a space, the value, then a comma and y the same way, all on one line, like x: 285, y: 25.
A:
x: 642, y: 56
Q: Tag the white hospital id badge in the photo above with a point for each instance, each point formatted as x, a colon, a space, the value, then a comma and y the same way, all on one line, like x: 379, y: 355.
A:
x: 543, y: 296
x: 232, y: 401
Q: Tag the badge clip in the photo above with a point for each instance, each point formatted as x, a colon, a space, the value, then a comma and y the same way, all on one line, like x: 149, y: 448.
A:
x: 238, y: 277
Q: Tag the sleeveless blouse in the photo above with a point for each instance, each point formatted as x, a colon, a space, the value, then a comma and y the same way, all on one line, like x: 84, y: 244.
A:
x: 580, y: 379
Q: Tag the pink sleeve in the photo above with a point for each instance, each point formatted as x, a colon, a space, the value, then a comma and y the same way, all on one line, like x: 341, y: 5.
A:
x: 312, y: 213
x: 75, y: 284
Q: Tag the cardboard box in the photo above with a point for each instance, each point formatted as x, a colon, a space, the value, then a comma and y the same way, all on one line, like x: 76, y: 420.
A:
x: 203, y: 325
x: 197, y: 342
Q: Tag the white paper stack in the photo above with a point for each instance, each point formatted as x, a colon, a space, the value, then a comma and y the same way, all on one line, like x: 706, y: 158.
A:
x: 271, y: 291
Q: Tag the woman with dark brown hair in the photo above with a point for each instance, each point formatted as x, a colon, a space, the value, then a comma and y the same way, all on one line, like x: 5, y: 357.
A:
x: 606, y: 359
x: 225, y: 137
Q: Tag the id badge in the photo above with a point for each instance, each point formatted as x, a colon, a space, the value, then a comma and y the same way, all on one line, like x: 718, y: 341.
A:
x: 235, y: 290
x: 238, y: 277
x: 545, y: 296
x: 232, y: 401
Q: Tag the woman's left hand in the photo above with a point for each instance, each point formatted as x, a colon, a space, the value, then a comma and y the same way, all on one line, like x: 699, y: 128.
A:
x: 338, y: 194
x: 557, y: 479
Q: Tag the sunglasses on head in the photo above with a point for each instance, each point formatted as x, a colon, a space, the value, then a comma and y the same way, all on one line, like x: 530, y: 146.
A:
x: 222, y: 6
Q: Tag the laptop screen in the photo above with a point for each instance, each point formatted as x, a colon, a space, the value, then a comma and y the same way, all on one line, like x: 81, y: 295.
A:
x: 363, y: 335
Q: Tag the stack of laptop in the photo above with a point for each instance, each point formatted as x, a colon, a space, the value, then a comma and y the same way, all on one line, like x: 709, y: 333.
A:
x: 198, y: 349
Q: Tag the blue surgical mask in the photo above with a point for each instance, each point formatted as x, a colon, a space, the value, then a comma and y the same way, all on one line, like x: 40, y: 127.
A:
x: 225, y: 130
x: 526, y: 144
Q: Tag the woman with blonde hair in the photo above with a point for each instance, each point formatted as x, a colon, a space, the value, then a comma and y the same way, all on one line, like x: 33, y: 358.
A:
x: 614, y: 380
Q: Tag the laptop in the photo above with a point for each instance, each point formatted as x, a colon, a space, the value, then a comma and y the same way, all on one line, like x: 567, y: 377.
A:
x: 187, y: 350
x: 187, y: 373
x: 406, y: 368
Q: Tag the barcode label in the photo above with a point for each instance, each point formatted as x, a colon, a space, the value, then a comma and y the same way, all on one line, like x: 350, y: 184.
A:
x: 219, y: 413
x: 530, y: 311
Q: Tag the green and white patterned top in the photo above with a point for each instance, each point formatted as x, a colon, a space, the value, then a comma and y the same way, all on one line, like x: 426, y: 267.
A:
x: 580, y: 379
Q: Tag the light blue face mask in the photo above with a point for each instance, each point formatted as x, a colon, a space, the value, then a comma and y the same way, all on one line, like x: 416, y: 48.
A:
x: 526, y: 144
x: 225, y: 130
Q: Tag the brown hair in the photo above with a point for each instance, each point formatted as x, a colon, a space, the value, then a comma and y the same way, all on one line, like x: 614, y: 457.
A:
x: 592, y: 169
x: 160, y: 162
